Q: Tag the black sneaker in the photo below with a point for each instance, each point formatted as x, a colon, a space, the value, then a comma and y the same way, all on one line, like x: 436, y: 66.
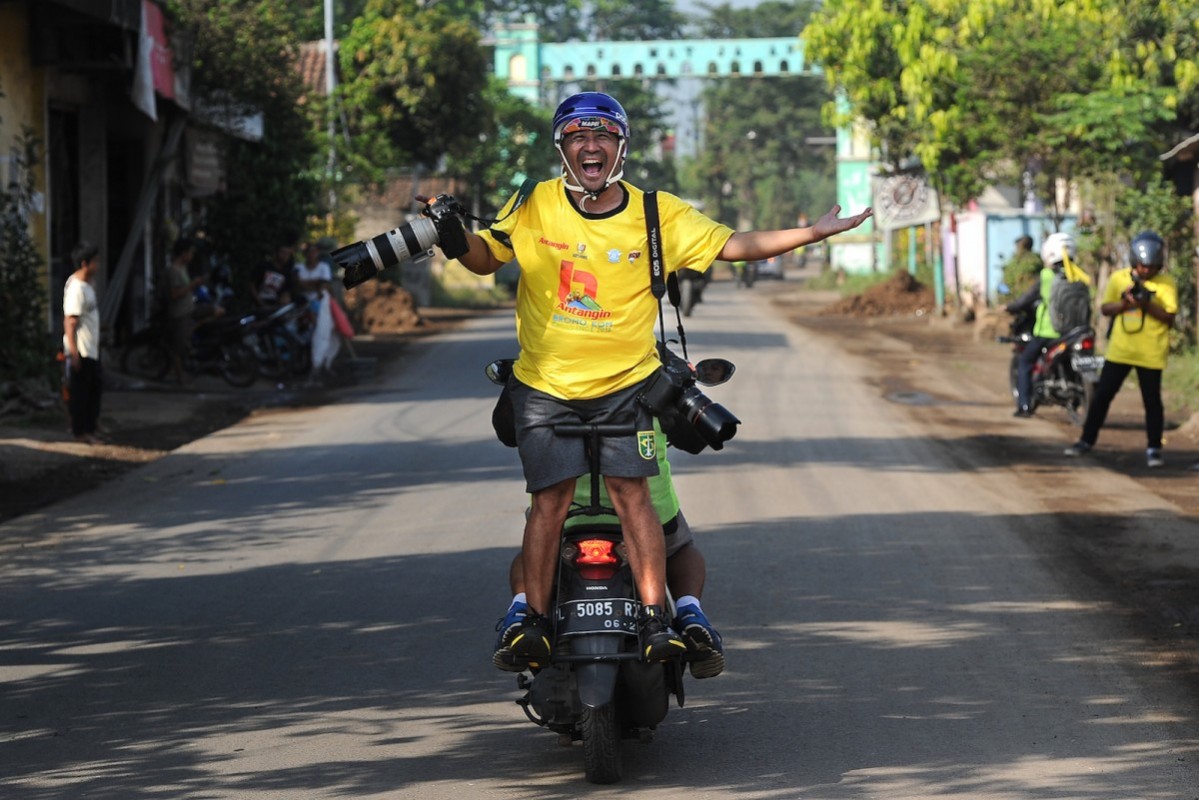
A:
x: 508, y: 626
x: 659, y: 642
x: 530, y: 646
x: 1077, y: 449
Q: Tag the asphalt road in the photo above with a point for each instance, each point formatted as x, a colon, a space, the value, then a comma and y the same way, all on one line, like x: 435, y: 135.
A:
x: 301, y: 606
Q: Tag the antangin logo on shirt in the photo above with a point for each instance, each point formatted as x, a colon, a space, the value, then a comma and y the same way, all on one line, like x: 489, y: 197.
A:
x: 555, y: 245
x: 577, y: 291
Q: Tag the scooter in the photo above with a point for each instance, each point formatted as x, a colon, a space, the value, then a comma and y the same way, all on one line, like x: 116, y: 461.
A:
x: 691, y: 288
x: 596, y: 688
x: 1066, y: 372
x: 217, y: 346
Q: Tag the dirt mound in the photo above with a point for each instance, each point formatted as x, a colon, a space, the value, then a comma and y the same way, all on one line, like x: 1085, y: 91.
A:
x: 901, y: 295
x: 382, y: 307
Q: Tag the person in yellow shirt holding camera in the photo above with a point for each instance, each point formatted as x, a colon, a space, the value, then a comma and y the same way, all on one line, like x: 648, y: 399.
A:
x: 1142, y: 301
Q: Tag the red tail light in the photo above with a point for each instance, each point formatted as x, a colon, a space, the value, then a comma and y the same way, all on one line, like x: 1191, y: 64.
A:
x: 595, y: 552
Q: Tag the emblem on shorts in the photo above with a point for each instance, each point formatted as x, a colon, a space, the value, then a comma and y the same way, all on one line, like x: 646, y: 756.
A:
x: 645, y: 445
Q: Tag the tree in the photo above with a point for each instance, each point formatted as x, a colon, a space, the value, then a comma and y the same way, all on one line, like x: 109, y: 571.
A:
x: 638, y: 20
x: 25, y: 351
x: 414, y: 83
x: 986, y: 89
x: 513, y: 143
x: 245, y: 52
x: 758, y: 168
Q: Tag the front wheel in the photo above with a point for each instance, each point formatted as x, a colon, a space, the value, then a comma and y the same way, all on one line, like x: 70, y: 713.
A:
x: 601, y: 744
x: 146, y: 360
x: 239, y: 365
x: 687, y: 296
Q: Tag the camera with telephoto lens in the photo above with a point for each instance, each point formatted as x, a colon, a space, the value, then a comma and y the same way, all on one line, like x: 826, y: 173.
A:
x: 1140, y: 292
x: 689, y: 418
x: 439, y: 222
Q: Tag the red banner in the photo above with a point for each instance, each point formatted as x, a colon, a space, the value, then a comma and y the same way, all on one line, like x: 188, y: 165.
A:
x: 161, y: 59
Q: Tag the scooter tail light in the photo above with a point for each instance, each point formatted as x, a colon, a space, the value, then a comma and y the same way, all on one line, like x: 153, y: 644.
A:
x: 596, y: 559
x: 595, y: 552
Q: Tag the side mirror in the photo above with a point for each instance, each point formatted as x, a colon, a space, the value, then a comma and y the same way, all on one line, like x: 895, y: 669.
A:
x: 499, y: 371
x: 714, y: 371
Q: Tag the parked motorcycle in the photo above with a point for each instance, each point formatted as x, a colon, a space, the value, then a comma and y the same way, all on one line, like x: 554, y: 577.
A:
x: 1065, y: 373
x: 276, y: 340
x: 596, y: 688
x: 217, y: 346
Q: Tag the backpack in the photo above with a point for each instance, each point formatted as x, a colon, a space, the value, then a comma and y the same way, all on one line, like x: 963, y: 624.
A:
x: 1069, y: 299
x: 1069, y: 304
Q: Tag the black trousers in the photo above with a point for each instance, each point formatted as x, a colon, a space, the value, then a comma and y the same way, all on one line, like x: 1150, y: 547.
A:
x: 83, y: 386
x: 1111, y: 378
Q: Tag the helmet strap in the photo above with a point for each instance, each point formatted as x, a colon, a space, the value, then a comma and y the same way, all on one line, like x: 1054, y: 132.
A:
x: 614, y: 175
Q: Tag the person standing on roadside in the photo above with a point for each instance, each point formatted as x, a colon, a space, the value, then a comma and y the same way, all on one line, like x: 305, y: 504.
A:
x: 81, y: 343
x: 181, y: 303
x: 1142, y: 302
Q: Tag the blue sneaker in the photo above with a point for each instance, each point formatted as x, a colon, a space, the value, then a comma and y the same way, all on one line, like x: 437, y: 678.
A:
x: 703, y: 642
x: 508, y: 626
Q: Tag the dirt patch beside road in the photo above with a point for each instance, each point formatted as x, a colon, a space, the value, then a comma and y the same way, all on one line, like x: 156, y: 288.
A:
x: 953, y: 377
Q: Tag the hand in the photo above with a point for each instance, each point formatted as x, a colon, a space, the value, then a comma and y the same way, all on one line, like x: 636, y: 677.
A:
x: 832, y: 223
x: 76, y: 362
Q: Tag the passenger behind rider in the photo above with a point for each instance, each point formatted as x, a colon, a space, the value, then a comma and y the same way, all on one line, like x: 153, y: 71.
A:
x: 686, y: 573
x: 1142, y: 301
x: 1023, y: 270
x: 1056, y: 248
x: 585, y: 322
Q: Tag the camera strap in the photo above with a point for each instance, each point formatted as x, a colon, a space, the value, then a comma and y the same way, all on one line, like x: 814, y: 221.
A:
x: 657, y: 270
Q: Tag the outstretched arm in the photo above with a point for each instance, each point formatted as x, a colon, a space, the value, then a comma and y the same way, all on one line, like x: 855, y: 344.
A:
x: 756, y: 245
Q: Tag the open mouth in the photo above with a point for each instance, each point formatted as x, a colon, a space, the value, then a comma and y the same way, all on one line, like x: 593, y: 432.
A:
x: 592, y: 167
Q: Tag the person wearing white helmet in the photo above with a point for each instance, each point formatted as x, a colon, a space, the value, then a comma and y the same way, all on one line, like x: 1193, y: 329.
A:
x: 1056, y: 248
x: 1142, y: 301
x: 585, y: 318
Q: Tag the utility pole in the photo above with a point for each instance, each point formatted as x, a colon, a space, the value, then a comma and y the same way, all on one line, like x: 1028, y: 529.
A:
x: 330, y: 85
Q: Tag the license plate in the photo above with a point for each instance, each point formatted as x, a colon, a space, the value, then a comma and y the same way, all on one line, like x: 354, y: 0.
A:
x: 1086, y: 363
x: 598, y: 615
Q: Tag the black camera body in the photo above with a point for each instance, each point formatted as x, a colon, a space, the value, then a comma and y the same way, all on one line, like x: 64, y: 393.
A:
x: 440, y: 223
x: 1140, y: 292
x: 689, y: 418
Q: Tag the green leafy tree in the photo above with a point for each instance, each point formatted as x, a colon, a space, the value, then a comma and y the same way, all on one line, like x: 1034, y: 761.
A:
x: 414, y: 83
x: 987, y: 89
x: 25, y: 351
x: 636, y: 20
x: 245, y: 52
x: 513, y: 144
x: 758, y: 167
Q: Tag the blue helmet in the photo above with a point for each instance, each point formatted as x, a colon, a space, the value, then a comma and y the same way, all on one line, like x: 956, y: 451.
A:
x: 585, y: 105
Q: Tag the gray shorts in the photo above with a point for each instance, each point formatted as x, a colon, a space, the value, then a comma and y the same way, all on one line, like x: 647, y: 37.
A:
x: 678, y: 534
x: 549, y: 459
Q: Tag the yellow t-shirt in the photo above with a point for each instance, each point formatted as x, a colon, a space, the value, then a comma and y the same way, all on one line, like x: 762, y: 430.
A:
x: 1137, y: 338
x: 585, y: 314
